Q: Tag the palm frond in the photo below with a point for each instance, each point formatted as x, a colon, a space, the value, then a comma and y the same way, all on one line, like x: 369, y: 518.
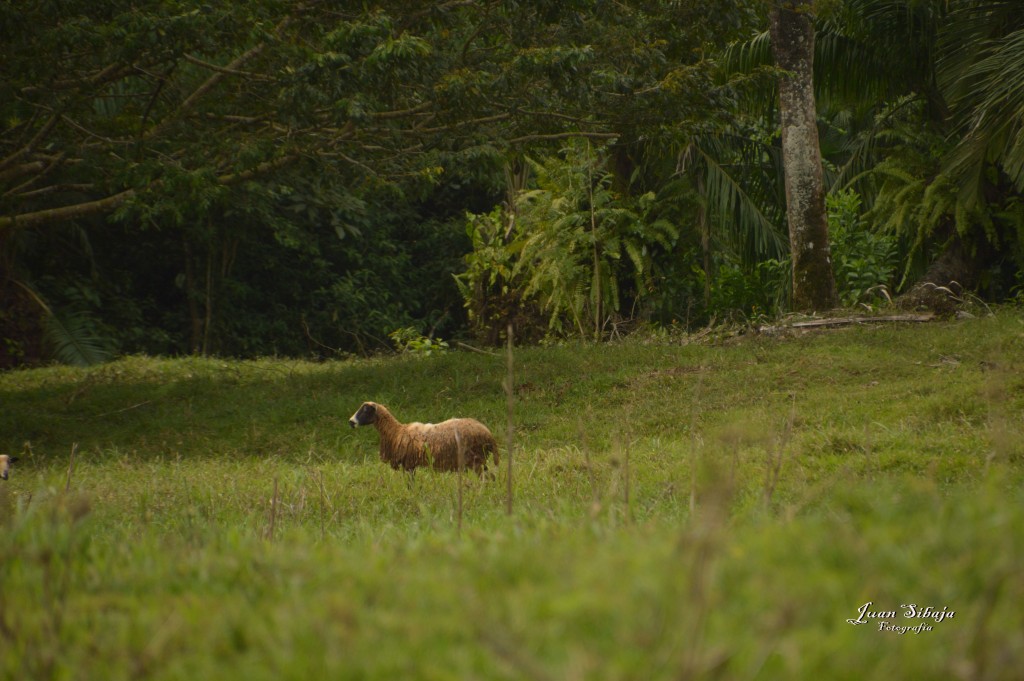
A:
x: 968, y: 37
x: 736, y: 211
x: 74, y: 339
x: 847, y: 70
x: 748, y: 55
x: 990, y: 115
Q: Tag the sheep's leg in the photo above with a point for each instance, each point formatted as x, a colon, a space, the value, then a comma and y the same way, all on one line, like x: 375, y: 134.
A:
x: 480, y: 466
x: 410, y: 479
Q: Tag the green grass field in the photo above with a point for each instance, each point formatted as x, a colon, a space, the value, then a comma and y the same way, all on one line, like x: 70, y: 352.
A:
x: 680, y: 511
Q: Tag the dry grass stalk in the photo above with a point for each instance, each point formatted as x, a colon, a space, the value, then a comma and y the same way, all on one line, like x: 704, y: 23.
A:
x: 71, y: 467
x: 273, y: 513
x: 625, y: 474
x: 320, y: 480
x: 777, y: 456
x: 462, y: 467
x: 695, y: 444
x: 509, y: 397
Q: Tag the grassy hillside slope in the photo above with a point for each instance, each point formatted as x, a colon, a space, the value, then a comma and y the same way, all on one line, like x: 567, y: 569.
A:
x: 680, y: 511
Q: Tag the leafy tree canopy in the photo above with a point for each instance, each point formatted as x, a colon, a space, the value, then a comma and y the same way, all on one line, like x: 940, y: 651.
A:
x: 158, y: 109
x: 216, y: 142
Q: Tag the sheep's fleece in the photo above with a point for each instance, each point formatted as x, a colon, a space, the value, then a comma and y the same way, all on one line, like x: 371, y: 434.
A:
x: 411, y: 445
x: 5, y: 464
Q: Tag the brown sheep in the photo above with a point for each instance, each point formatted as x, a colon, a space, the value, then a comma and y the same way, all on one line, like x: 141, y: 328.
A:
x: 5, y: 464
x: 411, y: 445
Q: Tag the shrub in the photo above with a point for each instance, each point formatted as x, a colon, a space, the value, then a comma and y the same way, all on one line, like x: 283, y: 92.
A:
x: 864, y: 262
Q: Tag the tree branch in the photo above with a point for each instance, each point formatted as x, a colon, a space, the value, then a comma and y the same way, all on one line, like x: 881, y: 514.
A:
x: 41, y: 171
x: 23, y: 169
x: 105, y: 75
x: 552, y: 114
x: 564, y: 135
x: 71, y: 212
x: 82, y: 187
x: 223, y: 69
x: 419, y: 108
x: 32, y: 143
x: 86, y: 208
x: 456, y: 126
x: 201, y: 91
x: 234, y: 178
x: 212, y: 81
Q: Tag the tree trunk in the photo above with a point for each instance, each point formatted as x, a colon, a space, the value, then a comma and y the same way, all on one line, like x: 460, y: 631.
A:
x: 792, y: 37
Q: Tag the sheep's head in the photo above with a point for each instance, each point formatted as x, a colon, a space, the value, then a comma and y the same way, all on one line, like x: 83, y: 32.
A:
x: 5, y: 464
x: 366, y: 415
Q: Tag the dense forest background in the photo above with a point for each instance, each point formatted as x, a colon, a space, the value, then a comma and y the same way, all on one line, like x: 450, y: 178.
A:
x: 322, y: 178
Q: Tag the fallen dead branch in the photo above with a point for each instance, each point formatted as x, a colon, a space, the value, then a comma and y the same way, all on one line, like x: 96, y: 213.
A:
x: 847, y: 321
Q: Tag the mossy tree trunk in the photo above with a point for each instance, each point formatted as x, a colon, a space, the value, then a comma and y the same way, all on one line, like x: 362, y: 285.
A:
x: 792, y: 38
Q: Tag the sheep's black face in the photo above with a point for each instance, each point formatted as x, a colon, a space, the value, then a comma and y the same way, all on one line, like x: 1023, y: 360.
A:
x: 366, y: 415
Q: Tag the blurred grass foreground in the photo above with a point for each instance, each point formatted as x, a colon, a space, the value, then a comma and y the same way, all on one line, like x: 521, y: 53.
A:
x: 844, y: 504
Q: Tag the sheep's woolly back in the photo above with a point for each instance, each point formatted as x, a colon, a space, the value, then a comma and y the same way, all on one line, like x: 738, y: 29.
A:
x: 411, y: 445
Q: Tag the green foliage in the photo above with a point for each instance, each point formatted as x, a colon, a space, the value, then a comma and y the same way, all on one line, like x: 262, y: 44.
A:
x: 934, y: 156
x: 1017, y: 290
x: 921, y: 204
x: 491, y: 295
x: 574, y: 244
x: 915, y: 199
x: 758, y: 293
x: 410, y: 341
x: 864, y: 262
